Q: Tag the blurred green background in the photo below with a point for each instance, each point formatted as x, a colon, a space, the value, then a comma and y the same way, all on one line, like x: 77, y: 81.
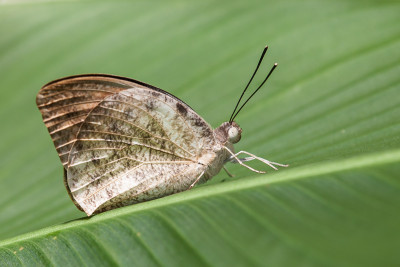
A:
x: 331, y: 110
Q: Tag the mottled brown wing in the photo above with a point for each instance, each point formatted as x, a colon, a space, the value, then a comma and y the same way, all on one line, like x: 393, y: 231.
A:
x: 66, y: 102
x: 135, y: 145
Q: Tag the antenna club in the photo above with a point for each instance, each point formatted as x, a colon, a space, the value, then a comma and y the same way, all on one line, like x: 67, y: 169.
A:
x: 276, y: 64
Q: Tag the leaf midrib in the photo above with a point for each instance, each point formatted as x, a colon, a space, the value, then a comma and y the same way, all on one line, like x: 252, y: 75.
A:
x: 369, y: 160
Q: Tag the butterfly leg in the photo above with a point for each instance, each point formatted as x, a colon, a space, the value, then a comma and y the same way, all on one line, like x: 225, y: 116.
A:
x: 196, y: 181
x: 229, y: 174
x: 233, y: 156
x: 233, y: 160
x: 252, y: 157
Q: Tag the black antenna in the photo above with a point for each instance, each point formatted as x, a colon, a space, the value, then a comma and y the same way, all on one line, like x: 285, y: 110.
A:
x: 240, y: 98
x: 272, y: 69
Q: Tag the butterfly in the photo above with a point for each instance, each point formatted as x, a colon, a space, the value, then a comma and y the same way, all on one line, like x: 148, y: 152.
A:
x: 122, y: 141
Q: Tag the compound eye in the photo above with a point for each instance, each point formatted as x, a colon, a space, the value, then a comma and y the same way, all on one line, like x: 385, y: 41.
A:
x: 233, y: 135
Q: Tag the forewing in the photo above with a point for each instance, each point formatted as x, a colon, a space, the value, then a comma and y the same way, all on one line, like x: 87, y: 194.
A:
x: 65, y: 104
x: 134, y: 142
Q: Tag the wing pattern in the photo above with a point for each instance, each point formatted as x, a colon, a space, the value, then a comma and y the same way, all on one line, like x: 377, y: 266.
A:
x: 65, y: 103
x: 134, y: 144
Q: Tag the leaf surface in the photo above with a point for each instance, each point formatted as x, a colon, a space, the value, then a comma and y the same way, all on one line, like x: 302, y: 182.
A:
x: 331, y: 110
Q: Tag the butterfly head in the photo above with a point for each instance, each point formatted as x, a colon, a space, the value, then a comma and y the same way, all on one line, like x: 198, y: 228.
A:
x: 229, y: 132
x: 234, y: 133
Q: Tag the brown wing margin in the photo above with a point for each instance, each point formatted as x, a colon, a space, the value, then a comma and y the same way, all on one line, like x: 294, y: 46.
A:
x: 121, y: 79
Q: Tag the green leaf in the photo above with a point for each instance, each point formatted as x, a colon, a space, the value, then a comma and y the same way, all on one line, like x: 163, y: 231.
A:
x: 331, y: 110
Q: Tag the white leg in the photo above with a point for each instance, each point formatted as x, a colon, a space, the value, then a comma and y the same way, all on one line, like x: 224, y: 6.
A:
x: 196, y: 181
x: 233, y: 160
x: 240, y: 162
x: 269, y: 163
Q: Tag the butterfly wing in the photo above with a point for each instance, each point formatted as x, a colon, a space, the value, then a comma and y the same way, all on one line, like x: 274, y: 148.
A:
x: 66, y: 102
x: 135, y: 144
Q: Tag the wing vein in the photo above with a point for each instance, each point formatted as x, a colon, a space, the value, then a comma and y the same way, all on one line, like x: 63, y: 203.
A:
x: 72, y: 104
x: 59, y: 100
x: 110, y: 182
x: 76, y: 90
x: 93, y: 149
x: 132, y: 144
x: 67, y: 119
x: 133, y: 159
